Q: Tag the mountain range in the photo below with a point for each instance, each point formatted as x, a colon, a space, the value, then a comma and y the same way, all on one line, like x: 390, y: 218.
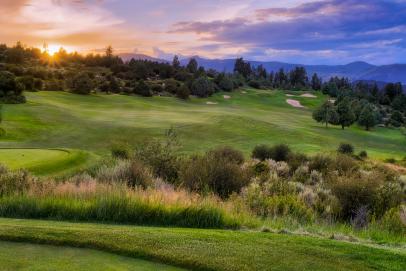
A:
x: 355, y: 71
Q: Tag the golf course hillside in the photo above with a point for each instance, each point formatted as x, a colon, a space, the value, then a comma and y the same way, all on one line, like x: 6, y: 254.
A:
x: 55, y: 132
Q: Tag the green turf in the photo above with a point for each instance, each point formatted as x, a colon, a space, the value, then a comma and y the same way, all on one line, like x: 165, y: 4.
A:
x: 29, y: 257
x: 45, y: 161
x: 94, y: 123
x: 209, y: 249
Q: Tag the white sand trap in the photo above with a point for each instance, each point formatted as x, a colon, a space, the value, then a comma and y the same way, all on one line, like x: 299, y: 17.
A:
x: 294, y: 103
x: 243, y: 92
x: 290, y: 95
x: 308, y: 95
x: 210, y: 103
x: 332, y: 101
x: 227, y: 97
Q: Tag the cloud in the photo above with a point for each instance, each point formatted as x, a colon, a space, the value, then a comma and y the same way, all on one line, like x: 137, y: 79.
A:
x: 320, y: 26
x: 82, y: 23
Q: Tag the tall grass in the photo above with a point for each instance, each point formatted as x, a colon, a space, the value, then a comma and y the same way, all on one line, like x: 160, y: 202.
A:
x: 93, y: 202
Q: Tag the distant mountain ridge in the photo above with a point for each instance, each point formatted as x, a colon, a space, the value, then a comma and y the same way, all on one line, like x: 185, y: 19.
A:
x: 355, y: 71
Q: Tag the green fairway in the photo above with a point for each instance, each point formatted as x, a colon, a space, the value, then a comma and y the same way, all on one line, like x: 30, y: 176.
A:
x: 28, y: 257
x: 44, y: 161
x: 209, y: 249
x: 94, y: 123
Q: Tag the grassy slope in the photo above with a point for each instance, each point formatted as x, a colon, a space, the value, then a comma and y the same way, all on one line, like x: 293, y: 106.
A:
x: 209, y: 249
x: 94, y: 123
x: 42, y: 257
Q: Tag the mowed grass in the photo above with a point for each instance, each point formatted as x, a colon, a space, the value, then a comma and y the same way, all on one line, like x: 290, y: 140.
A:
x: 94, y: 123
x: 29, y: 257
x: 45, y: 161
x: 199, y: 249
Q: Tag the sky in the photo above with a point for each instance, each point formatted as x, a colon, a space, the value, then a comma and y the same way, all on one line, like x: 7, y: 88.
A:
x: 295, y: 31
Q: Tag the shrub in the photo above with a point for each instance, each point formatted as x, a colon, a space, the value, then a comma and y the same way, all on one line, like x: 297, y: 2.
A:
x: 262, y: 152
x: 213, y: 173
x: 280, y: 152
x: 254, y: 84
x: 202, y: 87
x: 346, y: 148
x: 161, y: 156
x: 11, y: 91
x: 363, y: 155
x: 54, y: 85
x: 28, y: 82
x: 320, y: 162
x: 171, y: 86
x: 295, y: 160
x: 14, y: 182
x: 82, y: 84
x: 183, y: 92
x: 394, y: 220
x: 226, y: 84
x: 142, y: 89
x: 344, y: 164
x: 120, y: 151
x: 228, y: 154
x: 355, y: 192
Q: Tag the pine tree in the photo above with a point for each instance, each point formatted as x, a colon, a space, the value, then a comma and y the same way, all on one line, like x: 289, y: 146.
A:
x: 368, y: 117
x: 326, y: 114
x: 346, y: 116
x: 176, y: 62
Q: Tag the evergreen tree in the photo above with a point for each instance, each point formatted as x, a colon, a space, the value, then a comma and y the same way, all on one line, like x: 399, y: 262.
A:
x: 368, y: 117
x: 192, y: 66
x: 176, y: 62
x: 326, y: 114
x: 346, y: 116
x: 242, y: 67
x: 316, y: 82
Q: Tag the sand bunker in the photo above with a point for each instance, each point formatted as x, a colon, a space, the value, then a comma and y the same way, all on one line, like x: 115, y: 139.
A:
x: 332, y: 101
x: 243, y: 92
x: 210, y: 103
x: 227, y: 97
x: 294, y: 103
x: 308, y: 95
x: 290, y: 95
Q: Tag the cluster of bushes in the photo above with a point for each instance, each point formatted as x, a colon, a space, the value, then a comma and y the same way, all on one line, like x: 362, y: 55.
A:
x: 155, y: 185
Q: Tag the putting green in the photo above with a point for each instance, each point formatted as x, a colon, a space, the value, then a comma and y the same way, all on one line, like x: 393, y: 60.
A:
x: 21, y: 256
x: 43, y: 161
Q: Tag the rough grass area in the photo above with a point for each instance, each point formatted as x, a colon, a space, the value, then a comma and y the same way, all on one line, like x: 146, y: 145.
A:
x: 94, y: 123
x: 24, y: 257
x: 209, y: 249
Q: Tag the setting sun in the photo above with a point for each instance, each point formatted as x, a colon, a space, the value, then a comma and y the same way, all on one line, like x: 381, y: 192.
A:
x: 53, y: 48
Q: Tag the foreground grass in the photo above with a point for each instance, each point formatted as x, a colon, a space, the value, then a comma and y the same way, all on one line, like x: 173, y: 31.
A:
x: 24, y: 257
x: 208, y: 249
x: 94, y: 123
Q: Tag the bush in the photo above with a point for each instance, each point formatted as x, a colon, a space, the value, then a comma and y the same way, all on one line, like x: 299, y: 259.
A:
x: 82, y: 84
x: 142, y: 89
x: 355, y: 192
x: 226, y: 84
x: 161, y: 156
x: 394, y: 220
x: 11, y: 91
x: 14, y: 182
x: 171, y: 86
x: 262, y: 152
x: 254, y: 84
x: 278, y: 153
x: 363, y: 155
x: 202, y: 87
x: 344, y: 164
x: 120, y: 151
x: 213, y: 172
x: 346, y: 148
x: 183, y: 92
x: 228, y: 154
